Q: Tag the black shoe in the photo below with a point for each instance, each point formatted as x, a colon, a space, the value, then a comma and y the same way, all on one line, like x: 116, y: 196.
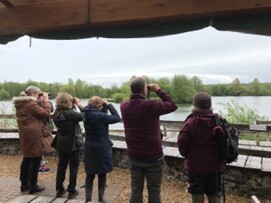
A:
x: 36, y: 189
x: 60, y: 193
x: 73, y: 194
x: 24, y: 188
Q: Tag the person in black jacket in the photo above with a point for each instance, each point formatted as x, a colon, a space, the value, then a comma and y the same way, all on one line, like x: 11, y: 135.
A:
x: 68, y: 141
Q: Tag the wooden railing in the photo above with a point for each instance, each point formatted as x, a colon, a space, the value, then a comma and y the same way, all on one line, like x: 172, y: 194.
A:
x: 170, y: 130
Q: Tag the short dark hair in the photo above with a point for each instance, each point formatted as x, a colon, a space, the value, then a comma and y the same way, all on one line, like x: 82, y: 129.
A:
x: 202, y: 100
x: 137, y: 85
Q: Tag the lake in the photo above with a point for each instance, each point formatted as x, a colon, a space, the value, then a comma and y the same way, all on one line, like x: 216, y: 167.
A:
x: 261, y: 104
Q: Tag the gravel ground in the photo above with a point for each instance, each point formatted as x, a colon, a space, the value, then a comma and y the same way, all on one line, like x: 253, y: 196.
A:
x: 173, y: 191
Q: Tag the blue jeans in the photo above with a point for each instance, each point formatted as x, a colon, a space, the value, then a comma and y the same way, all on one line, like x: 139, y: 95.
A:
x: 73, y: 160
x: 153, y: 172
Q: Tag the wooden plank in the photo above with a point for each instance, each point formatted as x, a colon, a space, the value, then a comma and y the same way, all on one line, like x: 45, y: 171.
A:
x: 255, y: 199
x: 7, y: 3
x: 75, y: 201
x: 43, y: 199
x: 254, y: 162
x: 259, y: 127
x: 266, y: 164
x: 241, y: 161
x: 112, y: 11
x: 171, y: 151
x: 24, y: 198
x: 60, y: 200
x: 46, y: 16
x: 119, y: 144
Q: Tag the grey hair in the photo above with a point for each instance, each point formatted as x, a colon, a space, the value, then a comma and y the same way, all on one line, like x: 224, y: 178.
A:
x: 32, y: 89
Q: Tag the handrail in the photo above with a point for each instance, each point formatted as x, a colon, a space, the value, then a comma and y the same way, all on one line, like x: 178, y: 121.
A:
x: 177, y: 125
x: 118, y: 135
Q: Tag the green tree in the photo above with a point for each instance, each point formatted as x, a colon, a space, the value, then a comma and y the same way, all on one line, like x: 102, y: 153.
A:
x: 236, y: 87
x: 255, y: 87
x: 4, y: 95
x: 219, y: 90
x: 197, y: 82
x: 182, y: 89
x: 119, y: 97
x: 69, y: 88
x: 164, y: 84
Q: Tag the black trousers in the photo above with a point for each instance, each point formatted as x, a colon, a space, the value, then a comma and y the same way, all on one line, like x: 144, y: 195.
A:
x: 29, y: 171
x: 73, y: 160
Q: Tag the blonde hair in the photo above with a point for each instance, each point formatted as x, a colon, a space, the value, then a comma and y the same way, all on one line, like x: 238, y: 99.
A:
x: 95, y: 101
x: 64, y: 101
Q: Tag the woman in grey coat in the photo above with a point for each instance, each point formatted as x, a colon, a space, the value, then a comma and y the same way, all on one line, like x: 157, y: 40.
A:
x: 98, y: 146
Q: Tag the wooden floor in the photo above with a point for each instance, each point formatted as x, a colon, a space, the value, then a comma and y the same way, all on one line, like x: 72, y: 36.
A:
x: 41, y: 199
x: 10, y: 193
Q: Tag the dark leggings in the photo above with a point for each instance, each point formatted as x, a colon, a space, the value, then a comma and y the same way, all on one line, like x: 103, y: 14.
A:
x: 90, y: 179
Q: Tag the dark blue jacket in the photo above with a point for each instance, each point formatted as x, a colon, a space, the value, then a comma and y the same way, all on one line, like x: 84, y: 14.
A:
x: 98, y: 146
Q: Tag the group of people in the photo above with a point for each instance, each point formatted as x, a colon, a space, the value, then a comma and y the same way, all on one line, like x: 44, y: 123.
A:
x: 142, y: 134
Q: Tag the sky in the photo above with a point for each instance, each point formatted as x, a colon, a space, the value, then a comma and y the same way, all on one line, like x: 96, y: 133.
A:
x: 214, y: 56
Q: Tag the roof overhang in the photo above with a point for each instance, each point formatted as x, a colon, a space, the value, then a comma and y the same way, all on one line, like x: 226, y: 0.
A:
x: 77, y: 19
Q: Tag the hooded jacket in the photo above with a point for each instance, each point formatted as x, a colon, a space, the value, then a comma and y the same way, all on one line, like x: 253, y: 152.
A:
x: 98, y: 146
x: 196, y: 143
x: 32, y: 124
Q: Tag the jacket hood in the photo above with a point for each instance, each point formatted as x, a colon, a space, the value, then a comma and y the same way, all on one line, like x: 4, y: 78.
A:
x: 204, y: 116
x: 90, y: 108
x: 19, y: 102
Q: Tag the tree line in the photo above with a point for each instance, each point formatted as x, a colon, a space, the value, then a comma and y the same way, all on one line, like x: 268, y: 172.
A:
x: 180, y: 87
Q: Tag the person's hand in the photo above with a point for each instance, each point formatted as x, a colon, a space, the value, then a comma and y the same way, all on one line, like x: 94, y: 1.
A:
x: 77, y: 101
x: 105, y: 102
x: 45, y: 96
x: 153, y: 87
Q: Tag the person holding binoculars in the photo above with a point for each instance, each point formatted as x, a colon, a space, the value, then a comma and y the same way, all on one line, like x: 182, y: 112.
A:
x: 30, y: 118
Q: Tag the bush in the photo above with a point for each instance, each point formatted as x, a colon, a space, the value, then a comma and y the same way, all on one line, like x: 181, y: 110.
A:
x: 119, y: 97
x: 238, y: 114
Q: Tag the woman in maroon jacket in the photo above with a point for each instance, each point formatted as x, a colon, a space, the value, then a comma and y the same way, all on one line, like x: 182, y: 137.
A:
x: 196, y: 144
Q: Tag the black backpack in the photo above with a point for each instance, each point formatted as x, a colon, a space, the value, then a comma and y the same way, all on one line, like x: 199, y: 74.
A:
x: 226, y: 140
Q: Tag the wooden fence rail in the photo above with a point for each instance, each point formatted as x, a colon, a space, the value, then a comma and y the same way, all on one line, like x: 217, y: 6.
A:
x: 170, y: 130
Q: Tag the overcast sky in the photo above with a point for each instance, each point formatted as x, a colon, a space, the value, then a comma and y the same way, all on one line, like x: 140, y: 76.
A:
x: 214, y: 56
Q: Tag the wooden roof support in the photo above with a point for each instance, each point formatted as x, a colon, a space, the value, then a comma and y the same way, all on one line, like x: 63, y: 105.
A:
x: 7, y: 3
x: 43, y: 16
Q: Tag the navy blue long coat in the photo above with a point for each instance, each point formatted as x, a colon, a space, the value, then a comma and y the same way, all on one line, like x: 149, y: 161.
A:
x: 98, y: 146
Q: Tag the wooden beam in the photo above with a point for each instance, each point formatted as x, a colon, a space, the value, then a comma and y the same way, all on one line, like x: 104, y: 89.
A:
x: 44, y: 17
x: 111, y: 12
x: 7, y: 3
x: 38, y: 16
